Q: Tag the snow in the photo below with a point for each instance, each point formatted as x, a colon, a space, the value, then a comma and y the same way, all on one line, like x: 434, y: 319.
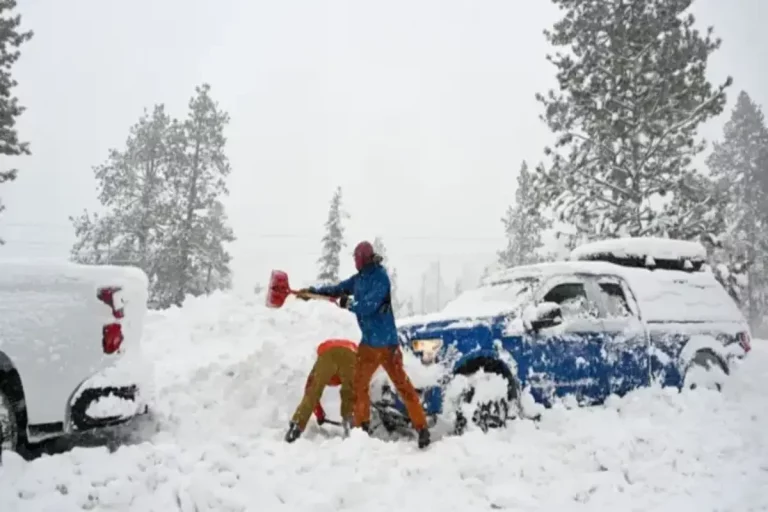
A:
x: 23, y: 273
x: 230, y: 372
x: 675, y: 296
x: 532, y: 313
x: 650, y: 248
x: 51, y: 324
x: 662, y: 295
x: 111, y: 406
x: 480, y: 304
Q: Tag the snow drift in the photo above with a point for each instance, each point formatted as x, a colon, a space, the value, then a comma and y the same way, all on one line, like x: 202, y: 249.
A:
x: 230, y: 372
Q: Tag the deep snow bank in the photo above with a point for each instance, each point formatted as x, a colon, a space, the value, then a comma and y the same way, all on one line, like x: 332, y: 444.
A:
x: 230, y: 372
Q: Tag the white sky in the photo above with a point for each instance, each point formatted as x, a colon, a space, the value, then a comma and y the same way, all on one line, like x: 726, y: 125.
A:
x: 421, y: 111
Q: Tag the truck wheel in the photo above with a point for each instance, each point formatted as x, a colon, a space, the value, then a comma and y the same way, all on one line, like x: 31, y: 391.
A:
x: 486, y: 414
x: 9, y: 427
x: 705, y: 370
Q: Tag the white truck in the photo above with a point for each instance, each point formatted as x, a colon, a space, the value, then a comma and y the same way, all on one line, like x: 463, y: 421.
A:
x: 70, y: 353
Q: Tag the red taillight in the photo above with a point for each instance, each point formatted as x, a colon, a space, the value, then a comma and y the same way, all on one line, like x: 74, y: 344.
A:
x: 744, y: 341
x: 107, y: 296
x: 111, y: 338
x: 111, y: 334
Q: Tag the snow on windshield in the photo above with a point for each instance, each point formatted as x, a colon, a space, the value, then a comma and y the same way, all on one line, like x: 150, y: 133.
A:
x: 492, y: 299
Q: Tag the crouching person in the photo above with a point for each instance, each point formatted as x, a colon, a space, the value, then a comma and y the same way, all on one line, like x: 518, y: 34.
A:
x: 335, y: 365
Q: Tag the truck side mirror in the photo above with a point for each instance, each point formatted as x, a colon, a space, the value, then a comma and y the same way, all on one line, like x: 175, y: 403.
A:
x: 541, y: 316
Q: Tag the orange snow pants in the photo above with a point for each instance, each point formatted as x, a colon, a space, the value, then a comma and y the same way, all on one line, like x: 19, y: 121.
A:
x: 391, y: 358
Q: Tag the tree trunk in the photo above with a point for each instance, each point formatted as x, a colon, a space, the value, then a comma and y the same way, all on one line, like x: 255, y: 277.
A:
x: 187, y: 230
x: 146, y: 202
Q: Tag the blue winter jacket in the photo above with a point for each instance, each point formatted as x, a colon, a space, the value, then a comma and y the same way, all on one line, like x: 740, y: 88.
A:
x: 372, y: 304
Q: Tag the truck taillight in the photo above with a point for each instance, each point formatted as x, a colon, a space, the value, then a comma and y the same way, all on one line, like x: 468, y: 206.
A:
x: 744, y: 341
x: 111, y: 338
x: 107, y: 296
x: 112, y: 333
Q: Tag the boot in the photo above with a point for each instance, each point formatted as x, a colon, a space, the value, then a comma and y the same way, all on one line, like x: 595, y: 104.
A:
x: 294, y: 432
x: 366, y: 426
x: 345, y: 424
x: 423, y: 438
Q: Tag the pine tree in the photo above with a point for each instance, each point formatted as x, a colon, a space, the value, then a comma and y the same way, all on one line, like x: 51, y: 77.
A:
x: 333, y: 241
x: 214, y: 234
x: 131, y: 188
x: 633, y: 91
x: 162, y: 200
x: 523, y: 225
x: 10, y: 41
x: 381, y: 250
x: 198, y: 179
x: 740, y: 164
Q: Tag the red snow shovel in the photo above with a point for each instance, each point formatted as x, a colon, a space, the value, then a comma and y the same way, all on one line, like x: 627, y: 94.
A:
x: 279, y: 290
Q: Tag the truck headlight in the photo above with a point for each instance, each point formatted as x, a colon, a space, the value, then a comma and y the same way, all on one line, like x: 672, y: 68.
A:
x: 427, y: 348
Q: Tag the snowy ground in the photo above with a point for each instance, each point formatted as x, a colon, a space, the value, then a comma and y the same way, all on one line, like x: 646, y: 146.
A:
x: 230, y: 372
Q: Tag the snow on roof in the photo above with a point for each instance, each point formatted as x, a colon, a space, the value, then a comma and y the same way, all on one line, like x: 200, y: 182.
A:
x: 553, y: 268
x: 662, y: 295
x: 16, y: 272
x: 642, y: 247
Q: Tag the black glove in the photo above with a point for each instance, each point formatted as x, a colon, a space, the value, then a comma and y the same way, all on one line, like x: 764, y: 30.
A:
x: 345, y: 301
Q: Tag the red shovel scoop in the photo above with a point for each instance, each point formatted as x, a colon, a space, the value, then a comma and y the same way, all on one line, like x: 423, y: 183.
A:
x: 279, y: 290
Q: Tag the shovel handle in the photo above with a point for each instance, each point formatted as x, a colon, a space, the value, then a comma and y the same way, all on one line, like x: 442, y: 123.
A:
x: 313, y: 296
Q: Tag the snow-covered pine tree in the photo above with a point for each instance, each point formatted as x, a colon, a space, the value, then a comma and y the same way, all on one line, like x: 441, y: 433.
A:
x: 381, y: 250
x: 740, y: 164
x: 200, y: 262
x: 633, y: 90
x: 216, y: 232
x: 523, y: 224
x: 133, y: 228
x: 10, y: 41
x: 333, y: 241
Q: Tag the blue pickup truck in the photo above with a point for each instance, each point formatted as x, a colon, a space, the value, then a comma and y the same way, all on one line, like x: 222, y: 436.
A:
x: 619, y: 315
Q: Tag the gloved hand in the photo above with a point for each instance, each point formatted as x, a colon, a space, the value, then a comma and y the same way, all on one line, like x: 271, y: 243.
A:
x: 302, y: 294
x: 345, y: 301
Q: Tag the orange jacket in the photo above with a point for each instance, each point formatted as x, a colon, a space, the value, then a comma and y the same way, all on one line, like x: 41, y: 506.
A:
x: 335, y: 380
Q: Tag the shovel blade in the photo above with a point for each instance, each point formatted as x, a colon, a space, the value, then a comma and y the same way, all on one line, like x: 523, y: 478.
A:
x: 278, y: 289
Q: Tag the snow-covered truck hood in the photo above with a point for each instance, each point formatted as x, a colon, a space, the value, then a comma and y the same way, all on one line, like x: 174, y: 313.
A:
x: 485, y: 314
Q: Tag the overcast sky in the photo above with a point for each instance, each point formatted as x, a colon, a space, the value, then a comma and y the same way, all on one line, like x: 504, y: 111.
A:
x: 422, y: 111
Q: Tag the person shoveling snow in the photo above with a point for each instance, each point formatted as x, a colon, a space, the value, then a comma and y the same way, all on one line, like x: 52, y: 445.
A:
x: 335, y: 366
x: 371, y: 303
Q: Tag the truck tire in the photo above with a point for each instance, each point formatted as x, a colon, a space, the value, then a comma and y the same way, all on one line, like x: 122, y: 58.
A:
x: 9, y: 426
x: 491, y: 414
x: 705, y: 370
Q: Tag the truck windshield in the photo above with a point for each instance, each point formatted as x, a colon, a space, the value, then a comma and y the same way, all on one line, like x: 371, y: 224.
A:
x: 491, y: 299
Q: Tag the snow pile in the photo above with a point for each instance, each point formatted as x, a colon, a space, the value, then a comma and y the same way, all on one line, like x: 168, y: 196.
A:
x: 230, y: 372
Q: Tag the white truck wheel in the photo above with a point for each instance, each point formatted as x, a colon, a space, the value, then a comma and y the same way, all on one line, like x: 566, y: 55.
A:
x: 9, y: 428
